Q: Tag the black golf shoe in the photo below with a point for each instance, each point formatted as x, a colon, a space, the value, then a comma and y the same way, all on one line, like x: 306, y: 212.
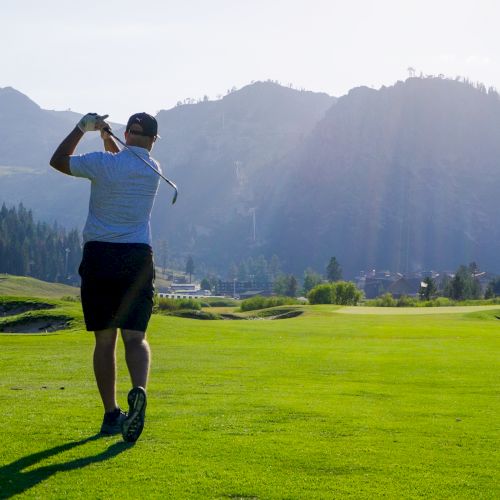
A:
x: 112, y: 422
x: 134, y: 423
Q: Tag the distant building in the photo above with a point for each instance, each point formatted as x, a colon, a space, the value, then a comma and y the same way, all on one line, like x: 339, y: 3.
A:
x: 200, y: 294
x: 184, y: 287
x: 375, y: 283
x: 378, y: 283
x: 405, y: 286
x: 243, y: 289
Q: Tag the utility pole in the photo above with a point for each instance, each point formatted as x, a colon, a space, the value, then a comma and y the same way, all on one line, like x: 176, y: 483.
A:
x: 163, y: 252
x: 67, y: 250
x: 254, y: 223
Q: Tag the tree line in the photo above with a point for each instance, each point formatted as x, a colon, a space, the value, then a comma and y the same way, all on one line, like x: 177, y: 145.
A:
x: 37, y: 249
x: 261, y: 270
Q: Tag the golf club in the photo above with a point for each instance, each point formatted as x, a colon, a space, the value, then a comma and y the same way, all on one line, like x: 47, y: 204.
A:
x: 108, y: 131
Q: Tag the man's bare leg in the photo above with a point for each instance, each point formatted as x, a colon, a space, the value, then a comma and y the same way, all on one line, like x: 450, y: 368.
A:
x: 105, y: 367
x: 137, y: 355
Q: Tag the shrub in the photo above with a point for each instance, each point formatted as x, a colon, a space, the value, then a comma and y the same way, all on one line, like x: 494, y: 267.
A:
x: 259, y: 302
x: 342, y: 293
x: 167, y: 304
x: 442, y: 301
x: 218, y: 302
x: 345, y: 293
x: 386, y: 300
x: 321, y: 294
x: 71, y: 298
x: 405, y: 301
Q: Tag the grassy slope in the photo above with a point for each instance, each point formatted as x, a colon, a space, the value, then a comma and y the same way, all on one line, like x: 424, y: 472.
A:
x: 23, y: 286
x: 321, y: 406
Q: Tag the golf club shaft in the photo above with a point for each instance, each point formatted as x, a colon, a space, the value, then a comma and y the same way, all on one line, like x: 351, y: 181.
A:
x: 108, y: 131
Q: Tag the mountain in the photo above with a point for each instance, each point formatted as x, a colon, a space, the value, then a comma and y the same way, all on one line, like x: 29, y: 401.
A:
x: 30, y: 135
x: 222, y: 154
x: 28, y: 131
x: 403, y: 178
x: 218, y: 152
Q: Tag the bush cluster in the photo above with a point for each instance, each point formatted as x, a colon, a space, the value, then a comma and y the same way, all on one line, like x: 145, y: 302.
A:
x: 167, y: 304
x: 218, y: 302
x: 387, y: 300
x: 71, y: 298
x: 259, y: 302
x: 341, y: 292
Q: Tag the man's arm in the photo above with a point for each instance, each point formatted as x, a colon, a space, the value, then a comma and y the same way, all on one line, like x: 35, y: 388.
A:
x: 60, y: 159
x: 109, y: 143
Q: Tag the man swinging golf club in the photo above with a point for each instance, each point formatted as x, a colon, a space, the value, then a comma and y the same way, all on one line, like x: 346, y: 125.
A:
x: 117, y: 267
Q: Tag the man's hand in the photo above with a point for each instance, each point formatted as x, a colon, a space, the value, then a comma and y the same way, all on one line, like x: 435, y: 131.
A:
x: 105, y: 135
x: 91, y: 122
x: 109, y: 143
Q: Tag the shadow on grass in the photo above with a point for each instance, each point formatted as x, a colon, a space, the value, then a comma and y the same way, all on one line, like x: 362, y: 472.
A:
x: 13, y: 479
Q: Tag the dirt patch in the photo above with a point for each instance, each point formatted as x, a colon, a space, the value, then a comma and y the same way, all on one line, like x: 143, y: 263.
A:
x: 265, y: 315
x: 278, y: 313
x: 13, y: 308
x: 232, y: 317
x: 287, y: 315
x: 37, y: 325
x: 190, y: 314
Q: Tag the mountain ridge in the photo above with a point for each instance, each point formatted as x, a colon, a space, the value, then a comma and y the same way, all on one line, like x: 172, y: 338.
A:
x: 404, y: 177
x: 401, y: 163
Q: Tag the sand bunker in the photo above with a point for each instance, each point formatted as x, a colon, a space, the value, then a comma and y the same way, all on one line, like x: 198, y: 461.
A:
x: 14, y: 308
x: 37, y: 325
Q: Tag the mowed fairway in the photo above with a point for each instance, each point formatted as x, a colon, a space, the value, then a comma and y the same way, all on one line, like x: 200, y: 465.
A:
x: 321, y: 406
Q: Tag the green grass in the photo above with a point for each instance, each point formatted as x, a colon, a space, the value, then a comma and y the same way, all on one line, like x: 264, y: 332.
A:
x: 28, y: 287
x: 324, y: 405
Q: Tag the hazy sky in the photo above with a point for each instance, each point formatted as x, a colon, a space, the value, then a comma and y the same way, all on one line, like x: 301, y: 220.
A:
x: 119, y: 57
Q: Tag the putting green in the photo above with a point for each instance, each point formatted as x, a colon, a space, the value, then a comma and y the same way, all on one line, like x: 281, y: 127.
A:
x: 399, y: 311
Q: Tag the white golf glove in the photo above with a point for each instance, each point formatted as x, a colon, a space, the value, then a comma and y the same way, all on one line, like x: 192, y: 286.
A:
x: 91, y: 122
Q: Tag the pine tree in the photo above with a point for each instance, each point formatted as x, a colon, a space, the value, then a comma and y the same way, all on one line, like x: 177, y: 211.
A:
x: 36, y: 249
x: 190, y: 267
x: 333, y: 270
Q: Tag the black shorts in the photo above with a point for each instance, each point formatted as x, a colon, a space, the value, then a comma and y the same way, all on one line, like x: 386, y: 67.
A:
x: 117, y: 285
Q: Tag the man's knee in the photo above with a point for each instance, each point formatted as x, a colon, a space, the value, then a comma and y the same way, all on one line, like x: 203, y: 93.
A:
x: 132, y: 338
x: 106, y: 338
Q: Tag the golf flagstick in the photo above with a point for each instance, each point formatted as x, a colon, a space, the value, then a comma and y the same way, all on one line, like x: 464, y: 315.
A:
x: 168, y: 181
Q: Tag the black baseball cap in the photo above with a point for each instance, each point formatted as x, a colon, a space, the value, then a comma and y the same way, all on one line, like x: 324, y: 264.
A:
x: 147, y: 122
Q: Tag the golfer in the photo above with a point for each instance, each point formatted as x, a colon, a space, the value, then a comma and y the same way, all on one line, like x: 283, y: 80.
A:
x: 117, y: 269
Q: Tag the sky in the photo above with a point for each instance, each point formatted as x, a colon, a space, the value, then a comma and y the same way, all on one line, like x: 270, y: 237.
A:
x: 120, y: 57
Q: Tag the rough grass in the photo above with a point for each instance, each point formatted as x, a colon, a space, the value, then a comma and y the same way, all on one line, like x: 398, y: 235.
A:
x: 24, y: 286
x: 325, y: 405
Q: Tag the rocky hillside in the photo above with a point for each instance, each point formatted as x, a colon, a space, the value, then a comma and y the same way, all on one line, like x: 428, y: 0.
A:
x: 404, y: 178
